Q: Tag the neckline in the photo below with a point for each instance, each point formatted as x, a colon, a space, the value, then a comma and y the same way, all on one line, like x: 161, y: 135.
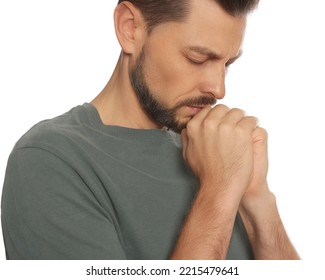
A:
x: 122, y: 132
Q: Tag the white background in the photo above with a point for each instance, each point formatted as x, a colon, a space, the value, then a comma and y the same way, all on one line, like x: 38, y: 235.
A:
x: 58, y: 54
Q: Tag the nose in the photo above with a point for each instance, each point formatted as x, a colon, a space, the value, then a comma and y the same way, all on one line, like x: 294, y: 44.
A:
x: 213, y: 82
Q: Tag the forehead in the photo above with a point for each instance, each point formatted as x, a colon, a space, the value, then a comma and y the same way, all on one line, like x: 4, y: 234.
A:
x: 208, y: 26
x: 208, y: 22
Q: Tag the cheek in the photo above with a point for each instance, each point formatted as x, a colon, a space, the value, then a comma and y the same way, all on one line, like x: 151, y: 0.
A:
x: 170, y: 75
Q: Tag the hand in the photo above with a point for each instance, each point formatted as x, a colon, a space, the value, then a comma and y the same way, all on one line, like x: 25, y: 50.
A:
x: 257, y: 200
x: 258, y: 183
x: 259, y: 212
x: 218, y: 146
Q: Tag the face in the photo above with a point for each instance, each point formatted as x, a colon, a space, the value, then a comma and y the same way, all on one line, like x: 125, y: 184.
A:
x: 182, y: 66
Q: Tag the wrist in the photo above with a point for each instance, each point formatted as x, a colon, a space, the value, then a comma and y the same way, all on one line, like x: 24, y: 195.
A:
x: 218, y: 197
x: 265, y: 229
x: 207, y: 231
x: 264, y: 226
x: 259, y: 213
x: 223, y: 192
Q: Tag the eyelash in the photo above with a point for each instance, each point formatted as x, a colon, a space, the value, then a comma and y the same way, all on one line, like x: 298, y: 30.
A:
x: 195, y: 62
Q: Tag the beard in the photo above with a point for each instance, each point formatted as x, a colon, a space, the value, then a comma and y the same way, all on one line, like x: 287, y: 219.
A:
x: 156, y: 110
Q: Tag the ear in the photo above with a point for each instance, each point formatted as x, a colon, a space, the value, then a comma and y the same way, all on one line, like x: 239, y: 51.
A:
x: 129, y: 27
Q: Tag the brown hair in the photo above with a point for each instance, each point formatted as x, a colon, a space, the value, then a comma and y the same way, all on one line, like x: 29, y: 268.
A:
x: 156, y: 12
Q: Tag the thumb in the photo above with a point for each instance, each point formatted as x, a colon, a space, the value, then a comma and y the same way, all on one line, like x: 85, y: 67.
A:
x: 260, y: 138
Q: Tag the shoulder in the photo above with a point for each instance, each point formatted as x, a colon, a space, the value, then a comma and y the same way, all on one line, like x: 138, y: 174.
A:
x: 48, y: 152
x: 55, y: 133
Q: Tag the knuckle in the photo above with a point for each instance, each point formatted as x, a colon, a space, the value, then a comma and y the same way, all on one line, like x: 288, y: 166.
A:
x: 253, y: 121
x: 257, y: 121
x: 209, y: 124
x: 261, y: 134
x: 221, y: 108
x: 242, y: 132
x: 237, y: 111
x: 225, y: 127
x: 262, y: 131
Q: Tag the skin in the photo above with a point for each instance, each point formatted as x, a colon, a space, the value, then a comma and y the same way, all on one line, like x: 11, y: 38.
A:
x: 226, y: 150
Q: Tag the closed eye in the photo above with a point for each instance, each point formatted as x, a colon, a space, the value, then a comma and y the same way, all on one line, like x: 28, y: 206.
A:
x: 195, y: 61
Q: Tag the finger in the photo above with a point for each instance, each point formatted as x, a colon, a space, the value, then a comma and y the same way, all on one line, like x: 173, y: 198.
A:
x: 260, y: 142
x: 233, y: 116
x: 193, y: 126
x: 200, y: 116
x: 217, y: 113
x: 249, y: 123
x: 260, y: 135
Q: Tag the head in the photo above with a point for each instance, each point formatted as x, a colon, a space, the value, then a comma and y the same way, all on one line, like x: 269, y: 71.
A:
x: 179, y: 52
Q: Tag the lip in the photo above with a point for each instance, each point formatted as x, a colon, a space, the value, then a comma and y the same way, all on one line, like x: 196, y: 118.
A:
x: 195, y: 109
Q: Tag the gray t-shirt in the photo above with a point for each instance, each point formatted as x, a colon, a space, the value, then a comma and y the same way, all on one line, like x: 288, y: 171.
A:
x: 78, y: 189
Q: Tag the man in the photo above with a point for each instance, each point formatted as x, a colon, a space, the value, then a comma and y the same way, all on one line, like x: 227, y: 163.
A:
x: 112, y: 180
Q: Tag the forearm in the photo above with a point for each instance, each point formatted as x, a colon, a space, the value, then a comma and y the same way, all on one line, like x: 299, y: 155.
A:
x: 207, y: 230
x: 227, y: 152
x: 265, y: 229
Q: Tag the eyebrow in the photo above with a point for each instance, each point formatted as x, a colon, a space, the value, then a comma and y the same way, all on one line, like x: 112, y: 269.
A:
x: 212, y: 55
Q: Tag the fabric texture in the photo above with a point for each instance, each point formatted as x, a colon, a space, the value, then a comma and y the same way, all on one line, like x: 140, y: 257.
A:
x: 78, y: 189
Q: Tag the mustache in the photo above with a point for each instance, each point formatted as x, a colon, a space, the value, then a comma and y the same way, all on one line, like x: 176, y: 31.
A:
x: 197, y: 102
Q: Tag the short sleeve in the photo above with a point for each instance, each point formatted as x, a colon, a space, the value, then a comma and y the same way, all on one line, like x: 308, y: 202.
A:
x: 49, y: 212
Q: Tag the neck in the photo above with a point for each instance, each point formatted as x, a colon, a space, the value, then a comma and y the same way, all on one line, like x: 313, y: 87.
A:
x: 118, y: 105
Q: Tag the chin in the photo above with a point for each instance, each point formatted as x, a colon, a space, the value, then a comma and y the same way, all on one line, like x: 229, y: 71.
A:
x: 178, y: 126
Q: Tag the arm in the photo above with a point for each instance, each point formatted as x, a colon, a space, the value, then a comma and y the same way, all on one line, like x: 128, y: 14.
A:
x: 259, y: 211
x: 207, y: 231
x: 217, y: 147
x: 49, y: 212
x: 265, y: 229
x: 228, y: 154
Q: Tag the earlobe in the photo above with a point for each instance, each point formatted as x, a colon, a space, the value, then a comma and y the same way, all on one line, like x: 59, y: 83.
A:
x: 126, y: 19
